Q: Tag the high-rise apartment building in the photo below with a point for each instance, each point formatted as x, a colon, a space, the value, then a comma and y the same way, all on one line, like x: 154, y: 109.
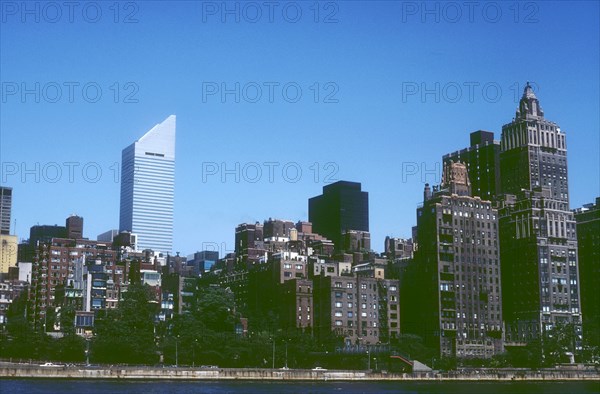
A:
x: 55, y: 267
x: 455, y: 290
x: 398, y: 248
x: 202, y: 261
x: 107, y: 236
x: 148, y: 187
x: 249, y: 243
x: 74, y: 226
x: 538, y: 237
x: 276, y: 229
x: 361, y: 310
x: 482, y: 159
x: 44, y: 233
x: 8, y: 252
x: 5, y: 209
x: 342, y: 206
x: 8, y: 243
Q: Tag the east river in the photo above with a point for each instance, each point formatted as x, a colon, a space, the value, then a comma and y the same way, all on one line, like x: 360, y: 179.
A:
x: 84, y: 386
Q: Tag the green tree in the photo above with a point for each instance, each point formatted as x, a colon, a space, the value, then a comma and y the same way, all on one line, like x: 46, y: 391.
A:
x: 215, y: 307
x: 67, y: 320
x: 126, y: 334
x: 21, y: 340
x: 413, y: 347
x: 557, y: 342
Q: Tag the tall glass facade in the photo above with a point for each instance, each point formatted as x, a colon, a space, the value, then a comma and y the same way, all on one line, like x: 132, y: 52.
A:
x: 148, y: 187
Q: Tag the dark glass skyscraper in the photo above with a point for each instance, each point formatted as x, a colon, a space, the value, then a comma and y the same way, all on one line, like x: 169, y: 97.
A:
x: 538, y: 239
x: 342, y: 206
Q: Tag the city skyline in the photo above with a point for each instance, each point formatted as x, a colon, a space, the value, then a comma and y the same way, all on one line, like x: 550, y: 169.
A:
x: 379, y: 125
x: 157, y: 136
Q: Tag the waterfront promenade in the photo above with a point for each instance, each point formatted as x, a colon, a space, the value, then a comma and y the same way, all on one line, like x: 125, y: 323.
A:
x: 17, y: 370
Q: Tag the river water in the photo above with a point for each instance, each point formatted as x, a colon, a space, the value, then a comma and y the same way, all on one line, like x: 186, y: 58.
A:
x: 80, y: 386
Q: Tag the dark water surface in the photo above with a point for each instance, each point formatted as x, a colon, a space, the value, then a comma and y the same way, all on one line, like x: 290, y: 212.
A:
x: 31, y: 386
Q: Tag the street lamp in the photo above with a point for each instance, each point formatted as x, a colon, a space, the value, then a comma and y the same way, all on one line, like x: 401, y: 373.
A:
x: 369, y: 357
x: 176, y: 352
x: 273, y: 353
x: 286, y: 344
x: 194, y: 353
x: 87, y: 351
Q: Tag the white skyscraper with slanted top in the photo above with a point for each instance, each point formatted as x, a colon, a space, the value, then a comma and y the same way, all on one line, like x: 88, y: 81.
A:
x: 148, y: 187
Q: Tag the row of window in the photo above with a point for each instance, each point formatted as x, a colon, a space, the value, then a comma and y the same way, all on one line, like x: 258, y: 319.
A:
x: 289, y: 266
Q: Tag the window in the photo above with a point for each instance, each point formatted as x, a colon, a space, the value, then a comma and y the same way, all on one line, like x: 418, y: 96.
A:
x: 299, y: 266
x: 338, y: 304
x: 349, y: 285
x: 287, y: 266
x: 338, y: 322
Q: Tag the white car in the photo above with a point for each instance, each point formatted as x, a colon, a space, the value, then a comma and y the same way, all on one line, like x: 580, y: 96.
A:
x: 50, y: 365
x: 319, y: 369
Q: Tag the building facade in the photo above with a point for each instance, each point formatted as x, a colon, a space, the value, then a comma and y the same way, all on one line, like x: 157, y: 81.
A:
x: 58, y: 266
x: 249, y: 243
x: 342, y: 206
x: 540, y: 268
x: 202, y: 262
x: 398, y: 248
x: 9, y: 247
x: 482, y: 159
x: 5, y: 209
x: 359, y: 310
x: 456, y: 279
x: 74, y: 225
x: 148, y: 187
x: 297, y: 304
x: 588, y: 244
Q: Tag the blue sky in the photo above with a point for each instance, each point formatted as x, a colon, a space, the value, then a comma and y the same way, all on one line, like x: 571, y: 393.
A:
x: 387, y: 88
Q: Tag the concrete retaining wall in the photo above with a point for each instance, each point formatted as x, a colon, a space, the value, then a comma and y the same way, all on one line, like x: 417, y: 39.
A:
x: 8, y: 370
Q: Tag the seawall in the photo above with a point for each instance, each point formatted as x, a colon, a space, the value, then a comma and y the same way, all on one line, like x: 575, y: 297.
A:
x: 12, y: 370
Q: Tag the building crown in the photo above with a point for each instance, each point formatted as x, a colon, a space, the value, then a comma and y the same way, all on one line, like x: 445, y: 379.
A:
x: 529, y: 106
x: 455, y: 178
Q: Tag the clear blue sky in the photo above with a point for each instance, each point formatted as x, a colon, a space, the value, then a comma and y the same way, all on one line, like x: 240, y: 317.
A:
x: 370, y: 60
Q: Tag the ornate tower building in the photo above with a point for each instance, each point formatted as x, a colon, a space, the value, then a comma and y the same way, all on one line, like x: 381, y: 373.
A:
x: 538, y: 240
